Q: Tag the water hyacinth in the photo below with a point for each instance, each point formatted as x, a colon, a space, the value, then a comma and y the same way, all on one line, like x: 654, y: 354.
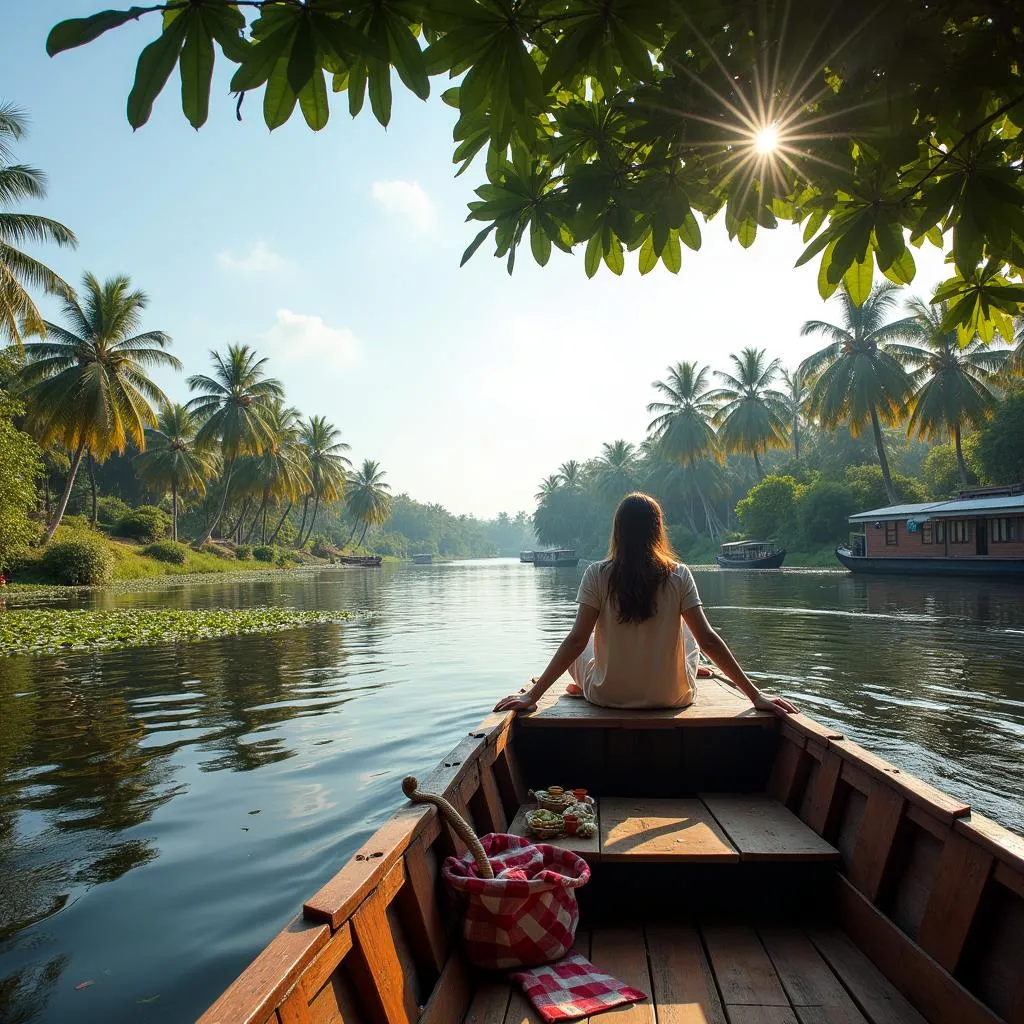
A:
x: 31, y: 630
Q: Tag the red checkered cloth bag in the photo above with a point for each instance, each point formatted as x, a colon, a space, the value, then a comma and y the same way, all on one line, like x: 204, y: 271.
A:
x: 527, y: 914
x: 572, y: 988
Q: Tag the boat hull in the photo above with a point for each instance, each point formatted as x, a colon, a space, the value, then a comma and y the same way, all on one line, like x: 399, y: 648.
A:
x: 559, y: 563
x: 371, y: 561
x: 768, y: 562
x: 937, y: 566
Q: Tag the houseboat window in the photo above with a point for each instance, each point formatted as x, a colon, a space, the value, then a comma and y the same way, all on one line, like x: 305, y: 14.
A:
x: 926, y: 534
x: 1001, y: 530
x: 940, y: 532
x: 959, y: 531
x: 890, y: 533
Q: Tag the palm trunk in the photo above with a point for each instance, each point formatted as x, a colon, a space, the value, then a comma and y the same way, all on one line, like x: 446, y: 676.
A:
x: 312, y: 522
x: 302, y: 525
x: 876, y: 427
x: 362, y: 536
x: 174, y: 511
x: 48, y: 500
x: 960, y: 464
x: 280, y: 522
x: 223, y: 503
x: 92, y: 486
x: 757, y: 463
x: 355, y: 526
x: 796, y: 439
x: 255, y: 520
x: 69, y: 483
x: 263, y: 532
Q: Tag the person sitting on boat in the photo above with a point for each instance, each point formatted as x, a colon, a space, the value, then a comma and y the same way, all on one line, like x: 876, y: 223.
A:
x: 628, y: 647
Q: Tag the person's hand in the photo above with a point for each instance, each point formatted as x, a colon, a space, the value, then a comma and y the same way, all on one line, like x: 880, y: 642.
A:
x: 521, y: 701
x: 781, y: 706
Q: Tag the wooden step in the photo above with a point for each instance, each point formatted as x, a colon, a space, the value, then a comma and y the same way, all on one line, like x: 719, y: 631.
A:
x: 661, y: 830
x: 588, y: 849
x: 763, y: 829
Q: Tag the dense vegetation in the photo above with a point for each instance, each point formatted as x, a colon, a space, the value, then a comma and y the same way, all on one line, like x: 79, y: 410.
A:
x: 611, y: 125
x: 772, y: 453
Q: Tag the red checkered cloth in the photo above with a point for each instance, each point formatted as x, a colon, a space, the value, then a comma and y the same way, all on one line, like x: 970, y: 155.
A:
x: 572, y: 988
x: 527, y: 914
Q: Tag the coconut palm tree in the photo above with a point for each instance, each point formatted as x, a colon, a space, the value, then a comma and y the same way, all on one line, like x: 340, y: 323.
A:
x: 954, y: 386
x: 1014, y: 365
x: 860, y: 376
x: 548, y: 486
x: 682, y: 427
x: 329, y: 468
x: 86, y: 384
x: 796, y: 396
x: 752, y: 415
x: 233, y: 407
x: 570, y: 474
x: 367, y: 498
x: 172, y: 461
x: 19, y: 316
x: 616, y: 468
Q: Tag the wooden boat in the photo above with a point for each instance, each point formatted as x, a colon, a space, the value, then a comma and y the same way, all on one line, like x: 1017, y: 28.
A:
x: 747, y: 869
x: 526, y: 556
x: 751, y: 554
x: 367, y: 560
x: 423, y: 559
x: 560, y: 558
x: 979, y: 533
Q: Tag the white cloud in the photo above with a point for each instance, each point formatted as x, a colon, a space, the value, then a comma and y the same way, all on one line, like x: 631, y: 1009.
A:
x: 301, y: 338
x: 407, y: 201
x: 260, y: 259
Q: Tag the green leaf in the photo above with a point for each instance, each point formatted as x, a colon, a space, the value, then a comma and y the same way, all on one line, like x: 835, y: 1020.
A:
x: 826, y: 286
x: 301, y: 63
x: 540, y: 242
x: 858, y: 279
x: 475, y: 244
x: 313, y: 101
x: 226, y: 25
x: 592, y: 257
x: 613, y: 255
x: 672, y: 255
x: 197, y: 58
x: 689, y: 231
x: 407, y: 57
x: 747, y: 232
x: 356, y: 87
x: 279, y: 99
x: 261, y: 59
x: 79, y: 31
x: 346, y: 40
x: 156, y: 62
x: 380, y: 90
x: 903, y: 269
x: 648, y: 257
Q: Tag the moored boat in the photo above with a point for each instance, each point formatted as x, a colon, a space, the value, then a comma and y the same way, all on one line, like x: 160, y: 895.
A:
x: 371, y: 561
x: 558, y: 557
x: 978, y: 533
x: 751, y: 554
x: 526, y: 556
x: 746, y: 868
x: 423, y: 559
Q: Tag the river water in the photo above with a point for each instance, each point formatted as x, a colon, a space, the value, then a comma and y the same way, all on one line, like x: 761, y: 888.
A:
x: 163, y: 811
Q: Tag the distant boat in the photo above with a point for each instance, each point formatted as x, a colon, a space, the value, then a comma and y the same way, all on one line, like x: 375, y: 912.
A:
x: 423, y: 559
x: 751, y: 554
x: 526, y: 556
x: 372, y: 561
x: 557, y: 557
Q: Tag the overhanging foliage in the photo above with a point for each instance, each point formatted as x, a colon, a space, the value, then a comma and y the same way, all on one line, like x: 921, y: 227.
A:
x: 611, y: 124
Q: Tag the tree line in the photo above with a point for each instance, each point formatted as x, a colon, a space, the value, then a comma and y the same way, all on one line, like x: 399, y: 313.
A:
x: 884, y: 383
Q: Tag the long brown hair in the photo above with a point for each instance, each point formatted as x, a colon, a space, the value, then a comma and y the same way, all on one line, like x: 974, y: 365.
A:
x: 641, y: 557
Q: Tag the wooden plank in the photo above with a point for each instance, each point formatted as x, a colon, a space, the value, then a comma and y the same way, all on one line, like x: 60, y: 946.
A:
x: 326, y: 962
x: 806, y: 978
x: 745, y: 974
x: 489, y: 1004
x: 661, y: 830
x: 337, y: 1002
x: 963, y: 870
x: 510, y: 781
x: 258, y: 990
x: 449, y: 1000
x: 829, y: 1015
x: 763, y: 829
x: 875, y: 838
x: 622, y: 953
x: 295, y: 1008
x: 421, y: 903
x: 820, y: 803
x: 1006, y: 846
x: 382, y: 983
x: 812, y: 729
x: 520, y: 1010
x: 492, y: 810
x: 940, y: 998
x: 942, y: 805
x: 1012, y: 878
x: 761, y: 1015
x: 789, y: 773
x: 588, y: 849
x: 683, y: 986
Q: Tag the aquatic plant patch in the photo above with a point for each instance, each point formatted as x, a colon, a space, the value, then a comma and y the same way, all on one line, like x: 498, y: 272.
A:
x: 27, y: 630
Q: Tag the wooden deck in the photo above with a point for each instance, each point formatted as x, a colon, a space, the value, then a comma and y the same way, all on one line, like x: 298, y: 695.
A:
x: 723, y: 974
x: 716, y: 704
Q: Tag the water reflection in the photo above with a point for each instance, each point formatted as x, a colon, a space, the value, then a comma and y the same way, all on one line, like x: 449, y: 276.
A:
x: 164, y: 810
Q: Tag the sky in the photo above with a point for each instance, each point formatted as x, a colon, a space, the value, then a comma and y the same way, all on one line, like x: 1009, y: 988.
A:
x: 336, y: 254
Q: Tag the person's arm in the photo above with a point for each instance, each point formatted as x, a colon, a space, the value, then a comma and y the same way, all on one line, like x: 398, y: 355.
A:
x: 718, y: 651
x: 568, y: 651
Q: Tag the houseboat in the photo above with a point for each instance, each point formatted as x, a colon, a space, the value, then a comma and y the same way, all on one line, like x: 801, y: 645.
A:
x: 751, y: 554
x: 368, y: 561
x: 745, y: 868
x: 980, y: 532
x: 424, y: 558
x: 526, y: 556
x: 558, y: 557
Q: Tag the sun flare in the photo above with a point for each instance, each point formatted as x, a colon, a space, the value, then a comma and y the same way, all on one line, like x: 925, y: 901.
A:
x: 767, y: 139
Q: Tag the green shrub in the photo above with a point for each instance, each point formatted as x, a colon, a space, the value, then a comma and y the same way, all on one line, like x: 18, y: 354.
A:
x: 217, y: 550
x: 167, y: 551
x: 147, y: 522
x: 75, y: 525
x: 768, y: 509
x: 243, y: 552
x: 824, y: 510
x: 264, y: 553
x: 80, y: 561
x: 110, y: 510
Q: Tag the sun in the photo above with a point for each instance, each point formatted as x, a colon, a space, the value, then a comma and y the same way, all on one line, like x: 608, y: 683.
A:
x: 766, y: 140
